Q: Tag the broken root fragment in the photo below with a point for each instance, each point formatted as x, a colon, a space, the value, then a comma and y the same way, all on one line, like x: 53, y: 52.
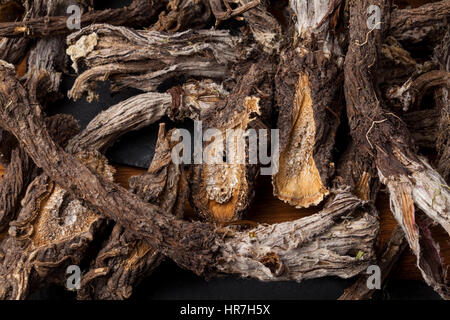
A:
x: 310, y: 106
x: 52, y: 231
x: 141, y: 59
x: 409, y: 177
x: 139, y: 13
x: 223, y: 185
x: 298, y: 181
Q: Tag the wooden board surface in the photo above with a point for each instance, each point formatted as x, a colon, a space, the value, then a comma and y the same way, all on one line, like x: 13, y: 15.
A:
x: 268, y: 209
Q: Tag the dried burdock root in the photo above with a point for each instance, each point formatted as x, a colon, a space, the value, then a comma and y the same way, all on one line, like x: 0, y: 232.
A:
x: 310, y: 106
x: 223, y: 184
x: 145, y: 59
x: 417, y: 24
x: 265, y: 28
x: 389, y: 258
x: 443, y: 139
x: 223, y: 11
x: 126, y: 260
x: 190, y: 101
x: 198, y: 246
x: 197, y: 14
x: 410, y: 93
x: 163, y: 176
x: 442, y: 100
x: 408, y: 177
x: 165, y: 184
x: 12, y: 50
x: 21, y: 170
x: 131, y: 114
x: 197, y: 100
x: 48, y: 55
x: 423, y: 125
x: 18, y: 175
x: 119, y: 267
x: 139, y: 13
x: 184, y: 14
x: 116, y: 271
x: 53, y: 230
x: 315, y: 246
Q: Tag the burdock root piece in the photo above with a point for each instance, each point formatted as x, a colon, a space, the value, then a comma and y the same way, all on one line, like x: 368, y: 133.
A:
x: 146, y: 59
x: 308, y: 93
x: 52, y: 231
x: 408, y: 177
x: 125, y: 260
x: 309, y: 250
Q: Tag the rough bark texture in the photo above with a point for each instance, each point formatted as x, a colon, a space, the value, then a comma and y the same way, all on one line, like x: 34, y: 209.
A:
x: 21, y: 170
x: 139, y: 59
x: 308, y: 93
x: 249, y: 74
x: 416, y: 24
x: 311, y: 247
x: 139, y: 13
x: 188, y: 101
x: 263, y: 25
x: 52, y: 231
x: 442, y: 98
x: 12, y: 50
x: 192, y: 245
x: 125, y: 260
x: 184, y: 14
x: 120, y: 266
x: 391, y: 254
x: 409, y: 178
x: 48, y: 56
x: 223, y: 185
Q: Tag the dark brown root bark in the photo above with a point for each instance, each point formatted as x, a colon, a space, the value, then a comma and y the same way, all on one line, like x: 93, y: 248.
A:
x: 193, y: 245
x: 139, y: 13
x: 310, y: 109
x: 182, y: 15
x: 223, y: 185
x: 442, y: 98
x: 65, y: 211
x: 52, y: 231
x: 416, y: 24
x: 120, y: 266
x: 18, y: 175
x: 224, y: 13
x: 408, y: 177
x: 138, y: 59
x: 410, y: 93
x: 21, y: 170
x: 125, y: 260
